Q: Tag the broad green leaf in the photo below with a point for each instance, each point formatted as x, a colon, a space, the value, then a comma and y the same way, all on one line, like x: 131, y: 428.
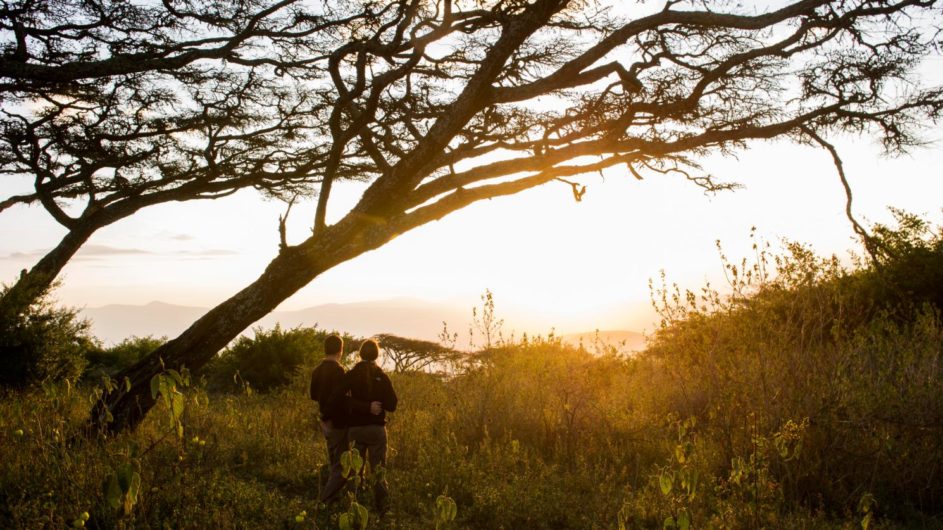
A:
x: 135, y: 488
x: 684, y: 520
x: 446, y: 508
x: 176, y: 405
x: 666, y: 483
x: 113, y: 492
x: 346, y: 465
x: 362, y: 515
x: 351, y: 462
x: 669, y: 523
x: 155, y: 386
x: 176, y: 377
x: 125, y: 473
x: 692, y: 483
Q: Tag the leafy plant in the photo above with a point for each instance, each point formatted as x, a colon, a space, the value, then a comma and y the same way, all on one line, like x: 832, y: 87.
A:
x: 123, y: 487
x: 42, y: 342
x: 166, y: 386
x: 445, y: 511
x: 109, y: 361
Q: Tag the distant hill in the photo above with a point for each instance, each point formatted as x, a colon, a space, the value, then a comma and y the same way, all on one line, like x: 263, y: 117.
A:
x: 401, y: 316
x: 112, y: 323
x: 628, y: 341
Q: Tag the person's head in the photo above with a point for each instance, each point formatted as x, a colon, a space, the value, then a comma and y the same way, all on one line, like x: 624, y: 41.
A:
x: 369, y: 350
x: 333, y: 345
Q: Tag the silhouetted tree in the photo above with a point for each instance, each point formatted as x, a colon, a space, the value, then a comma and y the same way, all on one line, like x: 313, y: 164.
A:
x: 410, y: 355
x: 440, y: 104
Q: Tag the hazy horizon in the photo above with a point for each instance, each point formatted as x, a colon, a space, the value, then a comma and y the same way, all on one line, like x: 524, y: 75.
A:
x: 404, y: 316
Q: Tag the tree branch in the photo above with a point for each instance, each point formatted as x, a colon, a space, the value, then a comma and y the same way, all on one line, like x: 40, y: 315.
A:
x: 870, y: 244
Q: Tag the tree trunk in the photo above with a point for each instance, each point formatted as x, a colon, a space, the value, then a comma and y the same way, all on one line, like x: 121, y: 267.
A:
x: 292, y: 269
x: 33, y: 284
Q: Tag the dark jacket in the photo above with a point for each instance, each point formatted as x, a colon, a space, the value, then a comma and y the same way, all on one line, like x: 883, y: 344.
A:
x: 334, y: 406
x: 366, y: 382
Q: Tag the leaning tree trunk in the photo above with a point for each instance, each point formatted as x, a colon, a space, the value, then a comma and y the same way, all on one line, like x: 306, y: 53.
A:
x: 32, y: 284
x: 292, y: 269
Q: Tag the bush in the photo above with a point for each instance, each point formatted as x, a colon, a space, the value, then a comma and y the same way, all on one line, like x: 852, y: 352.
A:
x: 110, y: 361
x: 857, y: 354
x: 44, y: 343
x: 269, y: 359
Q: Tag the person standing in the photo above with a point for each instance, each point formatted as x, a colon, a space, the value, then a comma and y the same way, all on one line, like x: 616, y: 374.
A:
x: 366, y: 382
x: 334, y: 410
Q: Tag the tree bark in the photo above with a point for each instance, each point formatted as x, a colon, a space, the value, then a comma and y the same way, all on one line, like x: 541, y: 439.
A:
x: 32, y: 284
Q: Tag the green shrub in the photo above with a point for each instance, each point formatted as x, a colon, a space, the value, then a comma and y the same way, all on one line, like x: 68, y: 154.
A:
x: 269, y: 359
x: 110, y: 361
x: 44, y: 343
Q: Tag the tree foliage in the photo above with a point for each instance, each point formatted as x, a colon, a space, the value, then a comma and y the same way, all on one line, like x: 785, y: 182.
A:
x: 270, y: 358
x: 409, y: 355
x: 108, y: 107
x: 45, y: 343
x: 111, y: 360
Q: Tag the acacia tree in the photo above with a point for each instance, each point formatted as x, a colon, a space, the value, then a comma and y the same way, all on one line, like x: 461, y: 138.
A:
x: 440, y: 104
x: 413, y: 355
x: 113, y: 106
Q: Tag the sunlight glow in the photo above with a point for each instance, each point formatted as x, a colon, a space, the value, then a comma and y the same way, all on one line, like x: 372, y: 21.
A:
x: 550, y: 261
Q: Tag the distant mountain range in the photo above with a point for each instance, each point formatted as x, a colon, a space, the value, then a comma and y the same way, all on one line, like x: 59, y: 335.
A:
x: 400, y: 316
x: 406, y: 317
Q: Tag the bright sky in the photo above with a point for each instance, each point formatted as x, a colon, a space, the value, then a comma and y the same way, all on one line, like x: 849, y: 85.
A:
x: 550, y: 261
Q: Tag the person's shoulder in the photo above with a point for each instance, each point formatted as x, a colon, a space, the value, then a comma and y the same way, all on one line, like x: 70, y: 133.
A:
x: 330, y: 367
x: 336, y: 368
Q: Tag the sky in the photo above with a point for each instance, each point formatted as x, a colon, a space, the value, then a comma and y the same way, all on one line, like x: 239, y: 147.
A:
x: 551, y: 262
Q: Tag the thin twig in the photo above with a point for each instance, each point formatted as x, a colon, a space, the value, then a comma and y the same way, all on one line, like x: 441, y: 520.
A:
x: 282, y: 219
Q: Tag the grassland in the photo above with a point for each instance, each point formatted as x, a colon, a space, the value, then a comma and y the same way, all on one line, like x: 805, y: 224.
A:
x: 810, y: 397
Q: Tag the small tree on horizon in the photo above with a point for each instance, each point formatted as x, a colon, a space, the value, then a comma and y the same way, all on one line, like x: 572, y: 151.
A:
x: 415, y: 355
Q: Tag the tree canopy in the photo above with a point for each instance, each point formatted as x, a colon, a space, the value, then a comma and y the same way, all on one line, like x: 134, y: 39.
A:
x: 437, y: 104
x: 408, y: 354
x: 112, y: 106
